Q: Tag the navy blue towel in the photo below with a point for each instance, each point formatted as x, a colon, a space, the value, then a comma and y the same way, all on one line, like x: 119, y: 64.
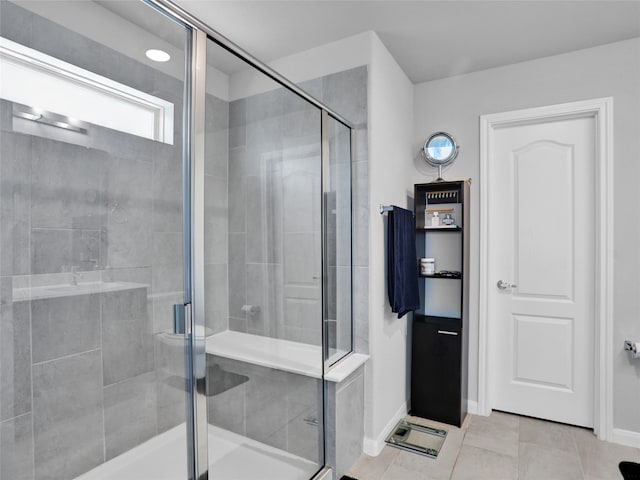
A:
x: 402, y: 270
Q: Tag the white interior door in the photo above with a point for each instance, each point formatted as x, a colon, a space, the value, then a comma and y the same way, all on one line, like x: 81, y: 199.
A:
x: 541, y: 247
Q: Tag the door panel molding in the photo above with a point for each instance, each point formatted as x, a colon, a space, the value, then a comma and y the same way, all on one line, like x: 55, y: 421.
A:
x: 601, y: 110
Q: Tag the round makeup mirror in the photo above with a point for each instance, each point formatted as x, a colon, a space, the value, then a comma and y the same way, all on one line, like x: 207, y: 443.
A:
x: 440, y: 150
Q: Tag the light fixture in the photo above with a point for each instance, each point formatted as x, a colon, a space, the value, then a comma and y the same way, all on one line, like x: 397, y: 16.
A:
x: 28, y: 115
x: 157, y: 55
x: 48, y: 118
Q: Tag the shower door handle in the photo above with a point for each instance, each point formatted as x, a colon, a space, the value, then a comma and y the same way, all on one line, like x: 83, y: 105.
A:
x: 179, y: 327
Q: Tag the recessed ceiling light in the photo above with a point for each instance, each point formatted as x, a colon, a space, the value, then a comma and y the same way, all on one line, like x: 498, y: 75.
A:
x: 158, y: 55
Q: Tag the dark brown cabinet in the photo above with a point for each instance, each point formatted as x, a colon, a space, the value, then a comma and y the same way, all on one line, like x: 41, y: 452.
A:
x: 439, y: 337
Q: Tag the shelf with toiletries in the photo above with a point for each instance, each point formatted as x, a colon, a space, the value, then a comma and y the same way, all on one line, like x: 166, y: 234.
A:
x: 440, y: 326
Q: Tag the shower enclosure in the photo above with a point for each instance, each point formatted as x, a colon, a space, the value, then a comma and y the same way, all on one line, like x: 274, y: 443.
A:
x: 175, y: 250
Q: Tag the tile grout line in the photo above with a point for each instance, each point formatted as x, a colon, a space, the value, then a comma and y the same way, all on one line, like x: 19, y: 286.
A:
x: 33, y: 417
x: 577, y: 450
x: 459, y: 450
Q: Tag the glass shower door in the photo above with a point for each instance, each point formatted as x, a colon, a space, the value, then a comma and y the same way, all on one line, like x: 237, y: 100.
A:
x: 262, y: 262
x: 91, y: 242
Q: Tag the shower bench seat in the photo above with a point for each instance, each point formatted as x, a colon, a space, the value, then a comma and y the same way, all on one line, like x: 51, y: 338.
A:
x: 264, y: 360
x: 286, y: 355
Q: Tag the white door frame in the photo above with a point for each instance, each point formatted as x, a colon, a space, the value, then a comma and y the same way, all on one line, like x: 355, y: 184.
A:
x: 601, y: 110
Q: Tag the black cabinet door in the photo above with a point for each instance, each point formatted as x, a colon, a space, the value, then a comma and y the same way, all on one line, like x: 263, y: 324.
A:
x: 435, y: 372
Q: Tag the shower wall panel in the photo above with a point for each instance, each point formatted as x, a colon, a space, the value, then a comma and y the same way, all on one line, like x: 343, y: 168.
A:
x: 87, y: 376
x: 274, y: 172
x: 269, y: 153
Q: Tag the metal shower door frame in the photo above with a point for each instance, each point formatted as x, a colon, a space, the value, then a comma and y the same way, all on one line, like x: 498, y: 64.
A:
x: 193, y: 218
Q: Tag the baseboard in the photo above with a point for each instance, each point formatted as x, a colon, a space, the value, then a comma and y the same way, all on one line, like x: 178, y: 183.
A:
x: 373, y: 446
x: 626, y: 437
x: 472, y: 407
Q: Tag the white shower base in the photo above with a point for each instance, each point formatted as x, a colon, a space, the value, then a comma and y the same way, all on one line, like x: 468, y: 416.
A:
x: 231, y: 457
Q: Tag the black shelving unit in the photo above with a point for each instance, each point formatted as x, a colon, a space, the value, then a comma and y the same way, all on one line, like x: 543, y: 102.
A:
x: 440, y: 339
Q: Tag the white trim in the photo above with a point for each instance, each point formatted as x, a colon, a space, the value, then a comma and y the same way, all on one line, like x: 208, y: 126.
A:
x: 29, y: 76
x: 472, y: 407
x: 373, y: 446
x: 626, y: 437
x: 602, y: 110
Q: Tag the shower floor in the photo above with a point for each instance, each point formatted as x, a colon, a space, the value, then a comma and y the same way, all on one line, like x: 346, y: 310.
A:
x: 231, y: 457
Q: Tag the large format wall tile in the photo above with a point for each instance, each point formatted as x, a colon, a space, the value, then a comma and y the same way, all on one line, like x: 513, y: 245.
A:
x: 227, y: 409
x: 129, y: 413
x: 15, y: 354
x: 264, y: 290
x: 51, y: 250
x: 216, y: 214
x: 167, y: 188
x: 129, y: 213
x: 360, y: 172
x: 361, y: 309
x: 167, y: 262
x: 264, y: 214
x: 16, y: 448
x: 216, y: 297
x: 64, y: 326
x: 68, y: 185
x: 127, y: 335
x: 346, y: 93
x: 237, y: 275
x: 237, y: 123
x: 170, y: 380
x: 304, y: 406
x: 265, y: 105
x: 266, y: 406
x: 237, y: 190
x: 122, y: 145
x: 216, y: 136
x: 349, y: 420
x: 67, y: 413
x: 15, y: 23
x: 15, y: 190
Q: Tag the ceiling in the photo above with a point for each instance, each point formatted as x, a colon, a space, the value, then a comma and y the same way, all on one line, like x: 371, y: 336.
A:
x: 428, y: 39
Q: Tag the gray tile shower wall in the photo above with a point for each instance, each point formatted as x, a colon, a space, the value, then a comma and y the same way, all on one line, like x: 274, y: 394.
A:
x: 345, y: 422
x: 85, y: 377
x: 67, y: 410
x: 273, y: 150
x: 278, y: 408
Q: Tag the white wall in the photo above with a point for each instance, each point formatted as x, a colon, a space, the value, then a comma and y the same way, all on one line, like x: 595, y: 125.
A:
x: 317, y: 62
x: 390, y: 148
x: 455, y: 104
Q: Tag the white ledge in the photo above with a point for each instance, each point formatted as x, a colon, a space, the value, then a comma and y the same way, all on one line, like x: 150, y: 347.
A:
x: 345, y: 367
x: 56, y: 291
x: 285, y: 355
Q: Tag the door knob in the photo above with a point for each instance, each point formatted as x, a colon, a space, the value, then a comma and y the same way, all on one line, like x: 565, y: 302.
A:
x: 502, y: 285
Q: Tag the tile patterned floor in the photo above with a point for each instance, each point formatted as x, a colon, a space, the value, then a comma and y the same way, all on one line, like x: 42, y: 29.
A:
x: 503, y: 447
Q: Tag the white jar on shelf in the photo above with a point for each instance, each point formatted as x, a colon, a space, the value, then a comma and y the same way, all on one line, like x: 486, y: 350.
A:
x: 427, y: 266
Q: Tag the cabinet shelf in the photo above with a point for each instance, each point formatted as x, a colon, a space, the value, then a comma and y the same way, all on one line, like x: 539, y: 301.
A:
x: 439, y: 229
x: 439, y: 276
